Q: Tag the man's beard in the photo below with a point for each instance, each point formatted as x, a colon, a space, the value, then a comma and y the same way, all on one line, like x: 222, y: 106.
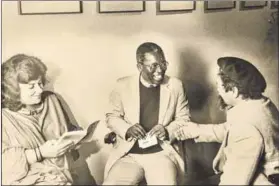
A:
x: 222, y: 104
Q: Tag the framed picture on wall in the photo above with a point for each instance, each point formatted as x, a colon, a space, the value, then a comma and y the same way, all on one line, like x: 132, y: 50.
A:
x: 219, y: 5
x: 120, y: 6
x: 175, y: 6
x: 49, y: 7
x: 245, y: 5
x: 274, y: 4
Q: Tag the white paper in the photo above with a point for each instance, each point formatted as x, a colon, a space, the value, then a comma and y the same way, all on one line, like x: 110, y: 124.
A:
x: 148, y: 141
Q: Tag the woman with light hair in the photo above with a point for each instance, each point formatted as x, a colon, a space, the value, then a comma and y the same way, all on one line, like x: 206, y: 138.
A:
x: 32, y: 121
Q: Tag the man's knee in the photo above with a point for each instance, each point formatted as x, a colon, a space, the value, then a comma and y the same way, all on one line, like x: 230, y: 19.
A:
x: 163, y: 171
x: 133, y: 178
x: 161, y: 180
x: 125, y: 172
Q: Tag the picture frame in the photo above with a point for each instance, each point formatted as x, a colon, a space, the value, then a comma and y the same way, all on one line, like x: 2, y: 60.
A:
x: 219, y: 5
x: 120, y: 6
x: 175, y: 6
x: 247, y: 5
x: 274, y: 4
x: 49, y: 7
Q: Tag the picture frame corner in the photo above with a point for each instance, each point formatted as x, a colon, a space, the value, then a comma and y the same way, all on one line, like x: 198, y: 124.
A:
x: 207, y: 9
x: 159, y: 9
x: 22, y: 12
x: 99, y: 9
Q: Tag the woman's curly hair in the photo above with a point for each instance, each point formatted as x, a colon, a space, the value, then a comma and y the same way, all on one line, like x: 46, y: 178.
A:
x: 19, y: 68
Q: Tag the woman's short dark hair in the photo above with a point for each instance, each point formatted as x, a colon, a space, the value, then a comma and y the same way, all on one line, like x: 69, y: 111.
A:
x: 239, y: 73
x: 19, y: 68
x: 149, y: 47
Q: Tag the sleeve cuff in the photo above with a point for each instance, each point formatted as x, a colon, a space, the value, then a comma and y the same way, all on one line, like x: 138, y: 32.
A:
x: 167, y: 137
x: 123, y: 132
x: 127, y: 138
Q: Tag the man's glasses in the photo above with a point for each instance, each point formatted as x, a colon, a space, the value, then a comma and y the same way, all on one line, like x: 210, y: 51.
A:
x: 154, y: 66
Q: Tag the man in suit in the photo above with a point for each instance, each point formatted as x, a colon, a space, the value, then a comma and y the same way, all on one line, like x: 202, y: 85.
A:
x: 249, y: 154
x: 148, y: 104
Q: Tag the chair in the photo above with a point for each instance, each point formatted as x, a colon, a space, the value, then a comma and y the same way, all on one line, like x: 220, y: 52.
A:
x: 110, y: 138
x: 274, y: 178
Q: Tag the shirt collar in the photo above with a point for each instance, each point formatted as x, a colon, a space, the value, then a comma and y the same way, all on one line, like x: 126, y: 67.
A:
x: 147, y: 84
x: 31, y: 112
x: 248, y: 105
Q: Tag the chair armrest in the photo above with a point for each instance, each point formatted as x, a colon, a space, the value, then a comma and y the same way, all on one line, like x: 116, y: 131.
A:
x: 274, y: 178
x: 110, y: 138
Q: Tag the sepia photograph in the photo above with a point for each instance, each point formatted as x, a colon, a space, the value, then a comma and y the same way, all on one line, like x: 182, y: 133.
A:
x: 274, y: 4
x: 49, y: 7
x: 139, y: 92
x: 214, y: 5
x: 174, y: 6
x: 252, y: 4
x: 120, y: 6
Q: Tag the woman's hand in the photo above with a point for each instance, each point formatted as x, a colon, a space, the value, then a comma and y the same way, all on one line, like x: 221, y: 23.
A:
x: 53, y: 149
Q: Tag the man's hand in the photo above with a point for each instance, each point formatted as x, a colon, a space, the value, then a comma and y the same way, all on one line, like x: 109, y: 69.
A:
x: 136, y: 131
x: 188, y: 131
x: 159, y: 131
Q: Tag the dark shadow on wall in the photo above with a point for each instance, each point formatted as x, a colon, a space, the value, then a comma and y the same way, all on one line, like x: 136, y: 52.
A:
x: 194, y: 74
x: 84, y: 176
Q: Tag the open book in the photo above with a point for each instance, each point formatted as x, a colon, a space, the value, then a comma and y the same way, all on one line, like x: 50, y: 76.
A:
x: 79, y: 136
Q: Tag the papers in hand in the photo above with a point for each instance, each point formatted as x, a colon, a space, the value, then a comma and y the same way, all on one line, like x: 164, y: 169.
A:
x: 79, y: 136
x: 148, y: 141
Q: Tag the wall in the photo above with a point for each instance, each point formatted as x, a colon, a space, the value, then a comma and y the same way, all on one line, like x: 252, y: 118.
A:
x: 87, y: 52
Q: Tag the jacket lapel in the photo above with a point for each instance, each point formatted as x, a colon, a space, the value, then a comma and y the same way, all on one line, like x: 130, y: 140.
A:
x: 164, y: 100
x: 134, y: 100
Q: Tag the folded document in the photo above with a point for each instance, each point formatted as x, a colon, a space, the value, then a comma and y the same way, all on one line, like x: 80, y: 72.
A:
x: 148, y: 141
x: 79, y: 136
